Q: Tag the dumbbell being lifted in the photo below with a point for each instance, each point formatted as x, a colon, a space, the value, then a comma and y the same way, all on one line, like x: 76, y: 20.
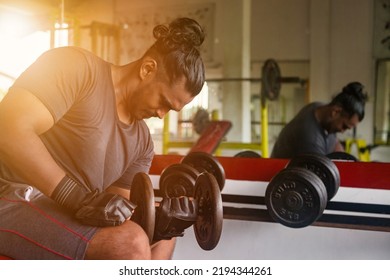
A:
x: 208, y: 226
x: 142, y: 194
x: 209, y: 216
x: 206, y: 162
x: 179, y: 179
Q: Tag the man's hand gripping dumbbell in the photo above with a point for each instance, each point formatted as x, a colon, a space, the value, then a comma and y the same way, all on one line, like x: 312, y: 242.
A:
x: 190, y: 197
x: 173, y: 216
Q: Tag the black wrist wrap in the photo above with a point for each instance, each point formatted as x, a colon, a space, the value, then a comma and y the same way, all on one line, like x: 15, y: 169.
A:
x: 69, y: 194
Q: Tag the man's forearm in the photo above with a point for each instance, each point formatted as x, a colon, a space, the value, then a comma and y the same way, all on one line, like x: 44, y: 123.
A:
x: 120, y: 191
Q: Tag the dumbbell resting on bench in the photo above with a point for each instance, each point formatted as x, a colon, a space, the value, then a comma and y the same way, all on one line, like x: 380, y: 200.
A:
x: 297, y: 196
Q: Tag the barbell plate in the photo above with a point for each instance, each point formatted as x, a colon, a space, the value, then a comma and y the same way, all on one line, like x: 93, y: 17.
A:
x: 270, y: 80
x: 323, y: 167
x: 296, y: 197
x: 176, y: 183
x: 200, y: 121
x: 208, y: 226
x: 142, y: 195
x: 206, y: 162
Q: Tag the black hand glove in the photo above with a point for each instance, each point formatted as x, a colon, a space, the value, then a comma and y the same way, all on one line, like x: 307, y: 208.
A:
x: 92, y: 208
x: 173, y: 216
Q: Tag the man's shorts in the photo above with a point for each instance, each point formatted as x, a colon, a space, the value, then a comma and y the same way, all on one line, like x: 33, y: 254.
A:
x: 33, y: 226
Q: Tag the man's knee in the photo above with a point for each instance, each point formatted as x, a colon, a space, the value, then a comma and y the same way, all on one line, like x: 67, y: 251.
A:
x: 136, y: 240
x: 127, y: 241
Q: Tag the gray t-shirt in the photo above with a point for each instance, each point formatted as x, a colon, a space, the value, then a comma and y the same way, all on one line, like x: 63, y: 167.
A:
x: 303, y: 134
x: 87, y: 140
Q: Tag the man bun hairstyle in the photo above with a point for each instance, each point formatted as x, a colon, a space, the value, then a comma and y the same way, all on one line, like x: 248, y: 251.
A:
x: 352, y: 99
x: 356, y: 89
x: 182, y: 33
x: 176, y: 49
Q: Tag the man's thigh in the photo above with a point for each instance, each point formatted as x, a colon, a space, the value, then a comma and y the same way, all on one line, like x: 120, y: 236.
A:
x: 33, y: 226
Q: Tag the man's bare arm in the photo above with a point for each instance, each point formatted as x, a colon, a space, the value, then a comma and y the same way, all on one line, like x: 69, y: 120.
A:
x: 23, y: 117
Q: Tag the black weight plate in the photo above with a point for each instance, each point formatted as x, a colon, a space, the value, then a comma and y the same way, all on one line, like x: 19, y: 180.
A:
x: 206, y: 162
x: 270, y: 80
x: 193, y: 172
x: 142, y: 195
x: 177, y: 183
x: 208, y: 226
x: 323, y: 167
x: 200, y: 121
x: 342, y: 156
x: 247, y: 154
x: 295, y: 197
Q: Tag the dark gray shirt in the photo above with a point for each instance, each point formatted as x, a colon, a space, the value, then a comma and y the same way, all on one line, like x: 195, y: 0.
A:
x: 87, y: 140
x: 303, y: 134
